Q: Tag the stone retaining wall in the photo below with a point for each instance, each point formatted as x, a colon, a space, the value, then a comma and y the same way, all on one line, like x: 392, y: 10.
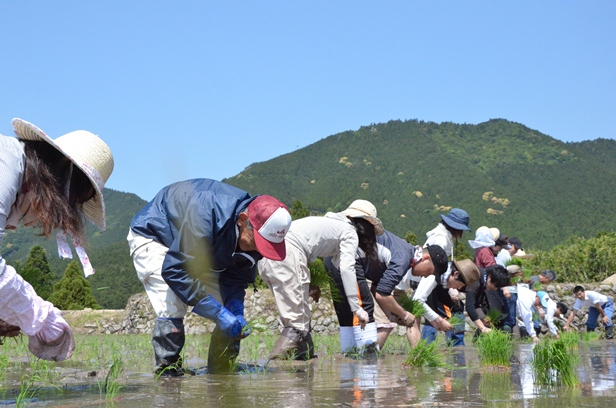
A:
x: 261, y: 312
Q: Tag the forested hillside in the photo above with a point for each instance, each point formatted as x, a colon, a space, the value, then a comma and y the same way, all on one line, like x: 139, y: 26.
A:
x: 504, y: 174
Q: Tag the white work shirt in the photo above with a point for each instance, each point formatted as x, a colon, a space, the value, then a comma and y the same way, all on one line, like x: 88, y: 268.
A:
x: 550, y: 311
x: 591, y: 300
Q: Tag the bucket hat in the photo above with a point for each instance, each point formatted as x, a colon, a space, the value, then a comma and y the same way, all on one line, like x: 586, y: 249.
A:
x: 468, y: 270
x: 88, y: 152
x: 366, y: 210
x: 457, y: 219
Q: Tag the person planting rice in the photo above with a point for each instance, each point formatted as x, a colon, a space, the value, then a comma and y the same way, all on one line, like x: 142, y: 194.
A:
x: 598, y: 305
x: 336, y: 235
x: 438, y: 302
x: 525, y: 305
x: 552, y: 309
x: 197, y: 244
x: 50, y: 184
x: 478, y: 304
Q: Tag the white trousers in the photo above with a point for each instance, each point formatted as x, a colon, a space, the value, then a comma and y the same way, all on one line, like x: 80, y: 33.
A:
x: 289, y: 281
x: 148, y: 257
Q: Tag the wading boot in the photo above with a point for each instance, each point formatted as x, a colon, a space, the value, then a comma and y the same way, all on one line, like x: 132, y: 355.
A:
x: 305, y: 349
x: 287, y: 345
x: 223, y: 353
x: 168, y: 340
x: 609, y: 332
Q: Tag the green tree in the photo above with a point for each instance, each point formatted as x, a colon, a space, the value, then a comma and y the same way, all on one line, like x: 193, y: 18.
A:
x: 460, y: 251
x: 411, y: 238
x: 298, y: 210
x: 73, y: 291
x: 37, y: 272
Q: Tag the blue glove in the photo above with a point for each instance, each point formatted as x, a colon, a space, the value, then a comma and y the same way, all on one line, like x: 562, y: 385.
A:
x: 237, y: 308
x: 209, y: 308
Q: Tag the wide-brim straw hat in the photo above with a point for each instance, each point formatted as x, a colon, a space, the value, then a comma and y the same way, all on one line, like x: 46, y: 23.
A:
x: 521, y: 254
x: 366, y: 210
x: 468, y: 270
x: 88, y: 152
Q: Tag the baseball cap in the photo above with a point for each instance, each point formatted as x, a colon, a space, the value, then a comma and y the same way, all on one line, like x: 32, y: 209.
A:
x: 543, y: 297
x: 503, y: 241
x: 271, y: 221
x: 439, y: 258
x: 515, y: 241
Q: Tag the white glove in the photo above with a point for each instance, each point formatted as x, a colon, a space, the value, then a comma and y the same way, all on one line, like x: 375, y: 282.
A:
x: 363, y: 317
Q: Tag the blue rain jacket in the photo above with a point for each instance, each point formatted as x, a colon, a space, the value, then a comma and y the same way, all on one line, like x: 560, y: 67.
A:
x: 197, y: 221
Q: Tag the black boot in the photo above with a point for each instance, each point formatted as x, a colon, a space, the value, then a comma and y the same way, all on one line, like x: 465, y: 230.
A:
x: 168, y: 340
x: 609, y: 332
x: 305, y: 349
x: 222, y: 353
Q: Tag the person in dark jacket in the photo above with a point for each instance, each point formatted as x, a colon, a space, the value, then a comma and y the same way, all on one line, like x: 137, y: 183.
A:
x: 197, y: 244
x: 478, y: 303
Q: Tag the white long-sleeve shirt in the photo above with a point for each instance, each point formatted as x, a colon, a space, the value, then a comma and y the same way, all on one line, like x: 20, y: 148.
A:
x: 525, y: 303
x: 549, y: 316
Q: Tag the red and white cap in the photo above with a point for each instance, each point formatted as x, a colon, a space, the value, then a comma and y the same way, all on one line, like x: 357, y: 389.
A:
x: 271, y: 221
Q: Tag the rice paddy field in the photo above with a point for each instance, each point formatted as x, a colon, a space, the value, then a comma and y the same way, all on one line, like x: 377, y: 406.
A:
x: 116, y: 370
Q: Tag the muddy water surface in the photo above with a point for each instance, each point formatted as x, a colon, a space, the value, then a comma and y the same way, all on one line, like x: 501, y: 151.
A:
x: 340, y: 381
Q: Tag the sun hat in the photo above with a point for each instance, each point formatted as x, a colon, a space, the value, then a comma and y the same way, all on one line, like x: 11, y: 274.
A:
x: 457, y: 219
x: 543, y: 297
x: 522, y: 254
x: 468, y: 270
x: 483, y: 238
x: 271, y: 221
x: 439, y: 259
x: 495, y: 233
x: 366, y: 210
x: 88, y: 152
x: 514, y: 270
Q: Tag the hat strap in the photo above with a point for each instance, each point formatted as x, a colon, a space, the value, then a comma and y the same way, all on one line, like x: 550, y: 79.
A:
x: 64, y: 252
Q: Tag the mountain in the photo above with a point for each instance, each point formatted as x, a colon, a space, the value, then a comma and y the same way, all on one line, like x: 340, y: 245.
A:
x: 502, y: 173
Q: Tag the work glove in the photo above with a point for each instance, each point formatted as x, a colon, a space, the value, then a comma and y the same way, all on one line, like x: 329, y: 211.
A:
x: 363, y: 317
x: 237, y: 308
x: 210, y: 308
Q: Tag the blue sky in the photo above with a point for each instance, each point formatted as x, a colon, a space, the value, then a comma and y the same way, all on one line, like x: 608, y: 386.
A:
x: 203, y: 89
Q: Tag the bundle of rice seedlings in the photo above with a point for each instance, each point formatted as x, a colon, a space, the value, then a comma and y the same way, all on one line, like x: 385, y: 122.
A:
x: 494, y: 316
x: 425, y: 354
x: 570, y: 339
x: 590, y: 336
x: 321, y: 279
x: 495, y: 348
x: 413, y: 306
x: 456, y: 320
x: 553, y: 364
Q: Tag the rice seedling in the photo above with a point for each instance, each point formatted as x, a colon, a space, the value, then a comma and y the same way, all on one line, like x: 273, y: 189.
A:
x: 319, y: 278
x: 413, y: 306
x: 27, y: 391
x: 495, y: 348
x: 570, y: 339
x: 111, y: 386
x: 425, y: 354
x: 493, y: 317
x: 553, y: 364
x: 590, y: 336
x: 456, y: 320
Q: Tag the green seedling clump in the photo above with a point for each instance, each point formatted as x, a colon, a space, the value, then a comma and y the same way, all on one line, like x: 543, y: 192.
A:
x: 413, y: 306
x: 425, y: 354
x: 554, y: 364
x: 495, y: 348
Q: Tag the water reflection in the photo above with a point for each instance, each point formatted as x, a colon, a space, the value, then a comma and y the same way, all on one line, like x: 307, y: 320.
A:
x: 341, y: 381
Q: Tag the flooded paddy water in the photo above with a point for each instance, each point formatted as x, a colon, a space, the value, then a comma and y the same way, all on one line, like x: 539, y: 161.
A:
x: 124, y: 365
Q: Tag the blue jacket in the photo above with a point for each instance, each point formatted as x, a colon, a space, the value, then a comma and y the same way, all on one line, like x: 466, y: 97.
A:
x: 197, y: 221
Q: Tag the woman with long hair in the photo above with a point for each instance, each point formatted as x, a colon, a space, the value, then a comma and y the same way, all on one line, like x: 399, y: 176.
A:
x: 52, y: 184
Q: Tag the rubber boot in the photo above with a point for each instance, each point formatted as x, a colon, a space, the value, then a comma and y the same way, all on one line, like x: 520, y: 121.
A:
x: 168, y: 340
x: 366, y: 339
x: 287, y: 344
x: 609, y: 332
x: 222, y: 354
x: 305, y: 349
x: 347, y: 339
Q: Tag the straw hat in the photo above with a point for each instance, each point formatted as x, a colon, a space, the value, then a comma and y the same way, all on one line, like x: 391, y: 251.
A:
x: 88, y: 152
x: 468, y: 270
x: 366, y: 210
